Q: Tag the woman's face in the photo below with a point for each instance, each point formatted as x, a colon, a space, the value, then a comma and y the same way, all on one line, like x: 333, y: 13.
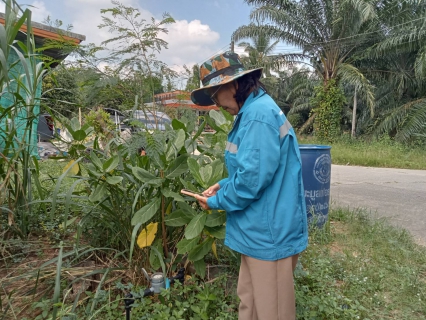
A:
x: 224, y: 97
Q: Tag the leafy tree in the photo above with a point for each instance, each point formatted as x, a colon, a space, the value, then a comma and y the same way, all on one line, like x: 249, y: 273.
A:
x: 136, y: 44
x: 397, y: 66
x: 61, y: 92
x: 193, y: 78
x: 260, y: 53
x: 294, y: 94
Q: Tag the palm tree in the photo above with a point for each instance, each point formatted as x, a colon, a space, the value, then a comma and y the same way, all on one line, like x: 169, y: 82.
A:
x: 328, y: 32
x: 401, y: 101
x: 337, y: 36
x: 260, y: 53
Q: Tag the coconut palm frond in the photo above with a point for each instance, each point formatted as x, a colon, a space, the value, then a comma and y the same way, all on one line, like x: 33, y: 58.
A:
x: 415, y: 122
x: 352, y: 76
x: 300, y: 108
x: 420, y: 64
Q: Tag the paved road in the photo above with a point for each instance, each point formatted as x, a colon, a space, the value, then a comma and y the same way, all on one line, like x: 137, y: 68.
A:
x: 397, y: 194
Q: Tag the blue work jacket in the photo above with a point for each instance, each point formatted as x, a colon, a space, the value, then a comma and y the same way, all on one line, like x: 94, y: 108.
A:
x: 263, y: 195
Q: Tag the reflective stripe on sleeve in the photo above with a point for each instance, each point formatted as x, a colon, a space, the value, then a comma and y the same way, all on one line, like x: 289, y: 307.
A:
x: 231, y: 147
x: 285, y: 128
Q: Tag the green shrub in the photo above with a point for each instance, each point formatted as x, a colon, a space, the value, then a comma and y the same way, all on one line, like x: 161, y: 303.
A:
x: 329, y: 101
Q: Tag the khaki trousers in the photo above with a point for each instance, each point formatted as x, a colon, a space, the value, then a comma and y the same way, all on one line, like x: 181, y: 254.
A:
x: 266, y: 289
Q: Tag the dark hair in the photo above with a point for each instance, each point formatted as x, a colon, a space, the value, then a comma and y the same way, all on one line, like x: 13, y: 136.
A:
x: 247, y: 84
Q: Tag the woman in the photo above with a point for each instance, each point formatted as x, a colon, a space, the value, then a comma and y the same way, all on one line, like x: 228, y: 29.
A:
x: 263, y: 194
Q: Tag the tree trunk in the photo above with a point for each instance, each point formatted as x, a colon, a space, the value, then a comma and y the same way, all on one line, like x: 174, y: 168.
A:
x: 354, y: 116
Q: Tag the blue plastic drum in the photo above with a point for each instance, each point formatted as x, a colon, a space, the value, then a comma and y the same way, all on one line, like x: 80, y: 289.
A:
x: 316, y: 172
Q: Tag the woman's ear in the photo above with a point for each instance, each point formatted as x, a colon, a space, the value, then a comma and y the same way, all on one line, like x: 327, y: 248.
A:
x: 235, y: 85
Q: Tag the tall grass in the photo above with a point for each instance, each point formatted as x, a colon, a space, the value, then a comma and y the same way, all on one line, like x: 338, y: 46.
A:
x: 20, y: 82
x: 383, y: 152
x: 361, y: 267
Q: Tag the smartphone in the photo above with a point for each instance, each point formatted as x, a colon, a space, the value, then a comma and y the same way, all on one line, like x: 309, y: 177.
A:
x: 190, y: 193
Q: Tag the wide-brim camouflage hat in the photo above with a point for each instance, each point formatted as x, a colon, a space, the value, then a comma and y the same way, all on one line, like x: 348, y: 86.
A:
x: 219, y: 70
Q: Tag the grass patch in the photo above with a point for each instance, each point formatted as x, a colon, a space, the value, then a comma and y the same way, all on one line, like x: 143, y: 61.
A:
x: 355, y: 267
x: 383, y: 153
x: 361, y: 268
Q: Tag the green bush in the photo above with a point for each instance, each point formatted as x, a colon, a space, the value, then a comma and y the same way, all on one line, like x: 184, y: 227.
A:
x: 329, y: 101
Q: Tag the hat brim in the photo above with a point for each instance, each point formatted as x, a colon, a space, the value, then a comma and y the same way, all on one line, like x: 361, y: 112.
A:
x: 201, y: 96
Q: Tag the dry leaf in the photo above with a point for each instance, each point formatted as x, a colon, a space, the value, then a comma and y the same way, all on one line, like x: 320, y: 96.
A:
x: 147, y: 235
x: 74, y: 170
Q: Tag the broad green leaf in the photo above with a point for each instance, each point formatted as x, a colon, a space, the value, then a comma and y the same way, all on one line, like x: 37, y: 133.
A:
x: 212, y: 123
x: 79, y: 135
x: 216, y: 219
x: 200, y: 250
x: 190, y: 145
x: 217, y: 232
x: 206, y: 173
x: 200, y: 268
x: 187, y: 210
x: 177, y: 167
x: 114, y: 180
x: 187, y: 185
x: 92, y: 170
x: 95, y: 160
x: 217, y: 169
x: 194, y: 167
x: 75, y: 125
x: 145, y: 176
x: 154, y: 258
x: 74, y: 170
x: 177, y: 219
x: 176, y: 145
x: 99, y: 193
x: 196, y: 225
x: 170, y: 194
x: 111, y: 164
x: 176, y: 125
x: 218, y: 117
x: 146, y: 212
x: 229, y: 117
x: 147, y: 235
x: 186, y: 245
x: 196, y: 308
x: 87, y: 128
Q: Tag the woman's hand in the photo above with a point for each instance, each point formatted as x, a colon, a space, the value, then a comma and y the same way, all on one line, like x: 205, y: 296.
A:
x: 211, y: 191
x: 203, y: 202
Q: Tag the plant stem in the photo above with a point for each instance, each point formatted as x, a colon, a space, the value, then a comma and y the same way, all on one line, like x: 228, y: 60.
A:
x: 163, y: 222
x: 163, y: 226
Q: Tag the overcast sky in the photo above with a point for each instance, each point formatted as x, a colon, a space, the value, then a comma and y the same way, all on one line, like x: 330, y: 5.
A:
x: 202, y: 27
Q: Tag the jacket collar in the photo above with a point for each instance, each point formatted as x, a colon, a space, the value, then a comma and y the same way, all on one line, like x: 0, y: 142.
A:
x: 251, y: 98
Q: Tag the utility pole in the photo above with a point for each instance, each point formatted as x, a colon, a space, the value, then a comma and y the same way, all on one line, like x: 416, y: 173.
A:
x: 232, y: 45
x: 354, y: 115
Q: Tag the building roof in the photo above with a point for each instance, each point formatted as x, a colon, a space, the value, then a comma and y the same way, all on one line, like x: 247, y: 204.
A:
x: 43, y: 32
x: 179, y: 98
